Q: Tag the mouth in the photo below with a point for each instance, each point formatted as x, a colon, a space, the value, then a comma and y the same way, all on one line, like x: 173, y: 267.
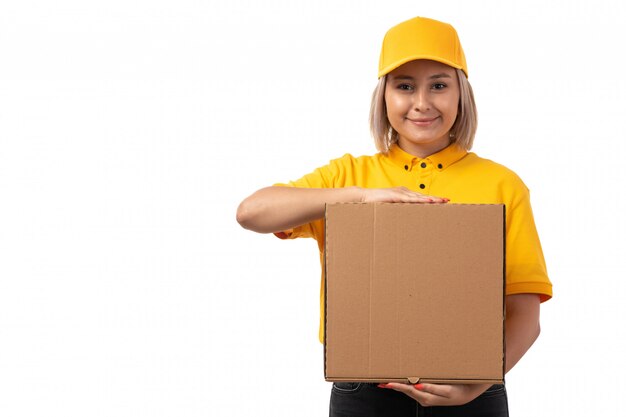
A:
x: 422, y: 121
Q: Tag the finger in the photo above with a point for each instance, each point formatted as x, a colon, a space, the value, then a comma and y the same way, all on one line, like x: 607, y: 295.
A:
x: 415, y: 194
x: 423, y: 198
x: 405, y: 388
x: 424, y: 398
x: 436, y: 199
x: 426, y: 390
x: 434, y: 389
x: 426, y: 196
x: 404, y: 195
x: 412, y: 197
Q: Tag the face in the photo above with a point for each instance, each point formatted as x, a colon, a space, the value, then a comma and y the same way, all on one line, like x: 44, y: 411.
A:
x: 422, y: 99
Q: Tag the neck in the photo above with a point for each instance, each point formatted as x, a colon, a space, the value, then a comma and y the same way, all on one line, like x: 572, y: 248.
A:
x: 422, y: 150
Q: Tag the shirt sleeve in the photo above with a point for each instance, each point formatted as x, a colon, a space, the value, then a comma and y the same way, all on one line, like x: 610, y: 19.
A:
x: 328, y: 176
x: 525, y: 264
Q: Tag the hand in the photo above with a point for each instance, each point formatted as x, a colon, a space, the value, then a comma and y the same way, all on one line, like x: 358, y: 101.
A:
x: 436, y: 394
x: 397, y: 195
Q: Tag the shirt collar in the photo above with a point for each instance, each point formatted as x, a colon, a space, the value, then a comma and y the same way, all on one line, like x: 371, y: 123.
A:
x: 441, y: 160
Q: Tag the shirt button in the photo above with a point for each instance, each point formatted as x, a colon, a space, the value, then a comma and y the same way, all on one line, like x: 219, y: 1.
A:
x: 406, y: 167
x: 422, y: 186
x: 439, y: 166
x: 423, y: 164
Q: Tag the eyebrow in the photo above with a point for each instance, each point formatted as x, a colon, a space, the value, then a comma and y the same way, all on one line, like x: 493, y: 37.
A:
x: 442, y: 75
x: 432, y: 77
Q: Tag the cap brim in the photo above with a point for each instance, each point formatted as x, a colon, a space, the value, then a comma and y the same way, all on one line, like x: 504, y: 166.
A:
x: 398, y: 64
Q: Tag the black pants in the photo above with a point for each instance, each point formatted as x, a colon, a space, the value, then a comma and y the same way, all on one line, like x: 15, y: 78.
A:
x: 367, y: 400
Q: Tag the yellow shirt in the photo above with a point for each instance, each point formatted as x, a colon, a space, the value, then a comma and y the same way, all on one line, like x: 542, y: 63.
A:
x: 453, y: 173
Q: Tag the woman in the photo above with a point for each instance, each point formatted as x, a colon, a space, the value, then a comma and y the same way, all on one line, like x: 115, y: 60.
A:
x: 423, y: 119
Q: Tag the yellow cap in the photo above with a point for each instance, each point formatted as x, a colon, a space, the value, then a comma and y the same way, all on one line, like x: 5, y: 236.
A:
x: 421, y: 38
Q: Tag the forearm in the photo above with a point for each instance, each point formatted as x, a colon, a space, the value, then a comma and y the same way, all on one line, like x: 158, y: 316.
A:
x: 521, y: 326
x: 274, y: 209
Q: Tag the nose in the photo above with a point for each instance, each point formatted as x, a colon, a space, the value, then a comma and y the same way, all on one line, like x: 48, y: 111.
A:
x: 421, y: 101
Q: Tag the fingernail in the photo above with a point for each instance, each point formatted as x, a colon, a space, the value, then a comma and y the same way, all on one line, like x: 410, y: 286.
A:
x: 382, y: 385
x: 419, y: 387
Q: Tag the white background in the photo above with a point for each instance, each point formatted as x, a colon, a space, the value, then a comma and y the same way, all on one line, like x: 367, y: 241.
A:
x: 130, y: 130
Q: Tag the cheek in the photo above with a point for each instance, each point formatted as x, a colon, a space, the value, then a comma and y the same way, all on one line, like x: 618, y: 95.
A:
x: 452, y: 109
x: 454, y: 112
x: 394, y: 104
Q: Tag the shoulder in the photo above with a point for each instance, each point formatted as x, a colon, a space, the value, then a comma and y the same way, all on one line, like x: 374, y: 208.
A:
x: 492, y: 171
x: 349, y: 159
x: 349, y: 162
x: 338, y: 172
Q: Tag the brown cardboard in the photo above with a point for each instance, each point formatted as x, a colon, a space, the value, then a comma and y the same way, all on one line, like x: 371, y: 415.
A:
x: 414, y: 292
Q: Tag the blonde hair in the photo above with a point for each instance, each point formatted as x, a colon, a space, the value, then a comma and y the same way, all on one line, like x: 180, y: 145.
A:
x: 462, y: 132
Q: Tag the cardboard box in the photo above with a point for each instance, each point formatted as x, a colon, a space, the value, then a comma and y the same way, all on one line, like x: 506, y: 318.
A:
x: 414, y: 292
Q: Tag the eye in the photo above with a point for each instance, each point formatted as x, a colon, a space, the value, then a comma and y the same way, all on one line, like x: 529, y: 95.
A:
x: 438, y: 86
x: 404, y: 87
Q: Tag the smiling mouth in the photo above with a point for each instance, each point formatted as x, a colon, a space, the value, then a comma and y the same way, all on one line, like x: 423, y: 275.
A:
x: 422, y: 122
